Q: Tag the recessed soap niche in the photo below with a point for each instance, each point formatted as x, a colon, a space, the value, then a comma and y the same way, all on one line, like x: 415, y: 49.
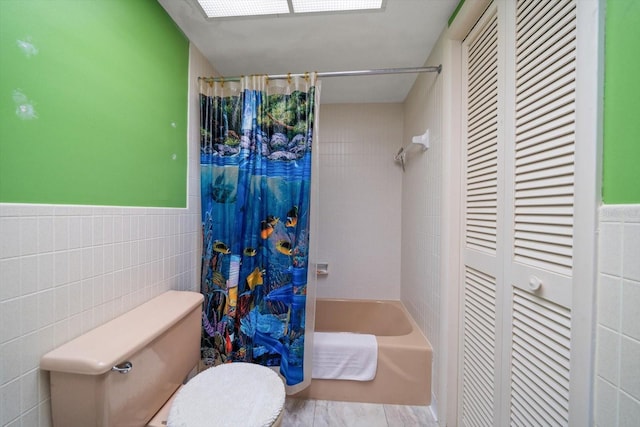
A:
x: 322, y: 268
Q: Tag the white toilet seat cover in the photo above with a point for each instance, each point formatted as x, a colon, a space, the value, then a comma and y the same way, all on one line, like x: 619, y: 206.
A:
x: 233, y: 394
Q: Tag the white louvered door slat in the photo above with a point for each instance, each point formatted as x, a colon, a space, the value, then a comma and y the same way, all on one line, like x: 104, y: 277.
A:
x: 545, y: 97
x: 540, y: 361
x: 482, y: 107
x: 479, y: 338
x: 544, y: 157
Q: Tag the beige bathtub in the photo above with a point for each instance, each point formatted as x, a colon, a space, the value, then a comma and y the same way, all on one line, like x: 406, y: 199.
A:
x: 404, y: 354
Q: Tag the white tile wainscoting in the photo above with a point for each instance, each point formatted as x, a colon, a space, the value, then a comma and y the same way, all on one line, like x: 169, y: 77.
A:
x: 617, y: 376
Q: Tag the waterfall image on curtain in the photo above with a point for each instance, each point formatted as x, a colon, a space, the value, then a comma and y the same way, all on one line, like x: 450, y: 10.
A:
x: 255, y: 157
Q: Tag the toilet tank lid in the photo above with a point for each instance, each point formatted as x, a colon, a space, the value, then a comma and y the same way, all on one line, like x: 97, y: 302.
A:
x: 97, y: 351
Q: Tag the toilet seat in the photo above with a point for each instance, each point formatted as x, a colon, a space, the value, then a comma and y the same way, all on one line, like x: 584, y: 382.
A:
x: 234, y: 394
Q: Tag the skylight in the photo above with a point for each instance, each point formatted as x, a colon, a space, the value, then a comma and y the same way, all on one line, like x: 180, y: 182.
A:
x: 227, y: 8
x: 305, y: 6
x: 230, y: 8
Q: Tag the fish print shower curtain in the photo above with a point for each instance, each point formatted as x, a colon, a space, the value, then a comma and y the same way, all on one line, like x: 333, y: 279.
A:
x: 255, y: 156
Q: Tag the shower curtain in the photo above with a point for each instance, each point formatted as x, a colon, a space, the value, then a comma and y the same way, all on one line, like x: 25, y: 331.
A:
x: 255, y: 155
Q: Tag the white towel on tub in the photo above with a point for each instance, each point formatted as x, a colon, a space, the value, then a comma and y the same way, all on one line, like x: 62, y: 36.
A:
x: 344, y: 356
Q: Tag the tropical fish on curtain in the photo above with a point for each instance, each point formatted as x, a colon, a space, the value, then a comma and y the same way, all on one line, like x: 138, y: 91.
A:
x: 255, y: 155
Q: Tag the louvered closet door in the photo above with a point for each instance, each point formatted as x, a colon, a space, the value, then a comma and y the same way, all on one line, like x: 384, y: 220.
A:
x: 520, y: 91
x: 541, y: 194
x: 482, y: 252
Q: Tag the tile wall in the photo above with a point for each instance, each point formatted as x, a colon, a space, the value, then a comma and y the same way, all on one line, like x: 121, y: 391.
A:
x: 67, y: 269
x: 360, y: 200
x: 617, y: 376
x: 422, y: 185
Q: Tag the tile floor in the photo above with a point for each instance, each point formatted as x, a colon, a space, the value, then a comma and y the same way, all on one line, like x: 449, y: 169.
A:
x: 324, y: 413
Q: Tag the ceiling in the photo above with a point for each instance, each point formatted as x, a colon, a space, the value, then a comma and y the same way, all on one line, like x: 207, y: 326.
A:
x: 401, y: 35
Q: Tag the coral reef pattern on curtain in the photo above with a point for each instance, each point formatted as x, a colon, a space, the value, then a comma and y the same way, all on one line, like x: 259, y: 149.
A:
x: 256, y: 139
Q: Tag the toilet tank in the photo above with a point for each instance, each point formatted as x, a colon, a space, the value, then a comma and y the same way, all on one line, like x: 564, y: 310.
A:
x: 159, y: 339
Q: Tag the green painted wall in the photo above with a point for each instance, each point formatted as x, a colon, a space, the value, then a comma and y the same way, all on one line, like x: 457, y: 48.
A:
x: 621, y: 157
x: 455, y: 12
x: 93, y: 103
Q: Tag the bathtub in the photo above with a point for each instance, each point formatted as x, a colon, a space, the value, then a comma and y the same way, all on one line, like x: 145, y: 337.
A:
x: 403, y: 375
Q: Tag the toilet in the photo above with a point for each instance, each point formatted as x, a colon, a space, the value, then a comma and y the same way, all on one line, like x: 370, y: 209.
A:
x: 132, y: 371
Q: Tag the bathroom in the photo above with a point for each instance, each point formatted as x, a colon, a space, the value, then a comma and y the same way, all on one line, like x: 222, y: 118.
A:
x: 66, y: 268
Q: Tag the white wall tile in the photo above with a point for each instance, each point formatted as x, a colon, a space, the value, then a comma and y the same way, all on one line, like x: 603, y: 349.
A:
x: 61, y: 303
x: 610, y: 254
x: 75, y: 232
x: 631, y: 213
x: 609, y: 301
x: 608, y: 355
x: 359, y: 201
x: 87, y: 231
x: 87, y: 262
x: 28, y: 235
x: 618, y: 222
x: 98, y: 260
x: 421, y: 216
x: 45, y: 271
x: 108, y: 229
x: 629, y: 411
x: 606, y: 409
x: 45, y: 339
x: 45, y: 308
x: 10, y: 232
x: 61, y: 332
x: 60, y: 268
x: 98, y: 290
x: 28, y: 274
x: 631, y: 309
x: 117, y: 228
x: 87, y: 320
x: 98, y: 230
x: 60, y: 233
x: 631, y: 251
x: 630, y: 367
x: 10, y: 401
x: 30, y: 417
x: 10, y: 362
x: 612, y: 213
x: 10, y: 318
x: 10, y: 278
x: 28, y: 314
x: 75, y: 265
x: 75, y: 298
x: 29, y: 355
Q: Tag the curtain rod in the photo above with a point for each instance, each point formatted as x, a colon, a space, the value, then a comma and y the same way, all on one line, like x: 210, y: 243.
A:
x: 408, y: 70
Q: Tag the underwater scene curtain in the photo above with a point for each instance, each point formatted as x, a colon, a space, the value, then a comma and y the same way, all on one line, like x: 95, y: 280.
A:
x: 255, y: 156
